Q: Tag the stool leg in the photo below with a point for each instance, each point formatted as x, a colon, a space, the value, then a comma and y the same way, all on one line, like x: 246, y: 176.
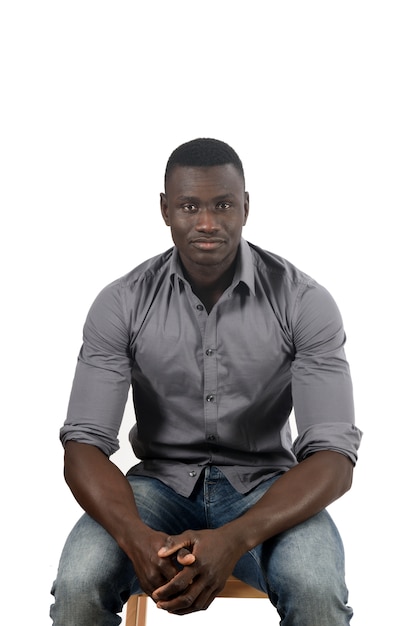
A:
x: 136, y: 611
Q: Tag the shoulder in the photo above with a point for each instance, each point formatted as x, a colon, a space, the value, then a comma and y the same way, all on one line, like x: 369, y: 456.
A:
x: 147, y: 270
x: 306, y: 302
x: 115, y: 301
x: 277, y: 268
x: 142, y: 274
x: 282, y: 282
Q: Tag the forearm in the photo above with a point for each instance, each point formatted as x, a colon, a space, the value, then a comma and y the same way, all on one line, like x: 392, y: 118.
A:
x: 299, y: 494
x: 105, y: 494
x: 102, y: 491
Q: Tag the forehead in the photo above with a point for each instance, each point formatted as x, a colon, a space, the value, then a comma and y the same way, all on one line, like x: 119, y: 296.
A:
x: 195, y: 181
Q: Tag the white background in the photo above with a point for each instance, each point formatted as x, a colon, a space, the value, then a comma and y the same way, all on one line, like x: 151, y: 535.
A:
x: 319, y: 99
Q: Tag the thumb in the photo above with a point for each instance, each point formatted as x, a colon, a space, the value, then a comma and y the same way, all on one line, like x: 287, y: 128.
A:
x: 185, y: 557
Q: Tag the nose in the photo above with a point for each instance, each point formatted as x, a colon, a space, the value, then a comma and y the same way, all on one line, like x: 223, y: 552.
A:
x: 206, y: 221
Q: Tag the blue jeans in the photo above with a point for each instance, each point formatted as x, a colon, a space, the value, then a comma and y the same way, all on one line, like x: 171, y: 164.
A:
x: 302, y: 569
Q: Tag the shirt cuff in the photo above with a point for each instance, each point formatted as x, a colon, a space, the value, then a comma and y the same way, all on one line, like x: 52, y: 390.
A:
x: 340, y: 437
x: 107, y: 443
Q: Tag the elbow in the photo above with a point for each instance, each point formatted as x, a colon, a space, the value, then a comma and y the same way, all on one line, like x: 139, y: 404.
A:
x: 339, y: 471
x: 68, y: 461
x: 345, y: 472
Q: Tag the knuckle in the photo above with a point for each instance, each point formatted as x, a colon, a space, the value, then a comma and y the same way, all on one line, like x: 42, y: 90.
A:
x: 188, y: 600
x: 169, y: 541
x: 178, y: 586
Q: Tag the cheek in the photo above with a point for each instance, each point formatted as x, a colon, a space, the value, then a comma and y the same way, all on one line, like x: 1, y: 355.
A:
x: 235, y: 228
x: 178, y: 231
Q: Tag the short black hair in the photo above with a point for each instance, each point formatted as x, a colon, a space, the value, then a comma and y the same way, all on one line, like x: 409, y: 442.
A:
x: 203, y: 152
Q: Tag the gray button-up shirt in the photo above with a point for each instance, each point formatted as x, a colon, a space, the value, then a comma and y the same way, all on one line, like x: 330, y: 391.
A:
x: 215, y: 388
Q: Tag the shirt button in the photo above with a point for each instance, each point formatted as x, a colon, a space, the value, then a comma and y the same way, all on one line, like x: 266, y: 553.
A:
x: 211, y: 437
x: 210, y: 398
x: 192, y: 474
x: 209, y: 352
x: 200, y: 307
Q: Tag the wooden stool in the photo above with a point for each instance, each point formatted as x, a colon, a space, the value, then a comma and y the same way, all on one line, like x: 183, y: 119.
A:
x: 234, y: 588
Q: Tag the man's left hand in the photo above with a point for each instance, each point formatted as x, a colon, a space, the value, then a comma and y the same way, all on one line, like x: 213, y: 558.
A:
x: 194, y: 588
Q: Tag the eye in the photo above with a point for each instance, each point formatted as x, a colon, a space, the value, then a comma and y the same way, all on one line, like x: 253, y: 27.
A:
x: 223, y: 206
x: 189, y: 208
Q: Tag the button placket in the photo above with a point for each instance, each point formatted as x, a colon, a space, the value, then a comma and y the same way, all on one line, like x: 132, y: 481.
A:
x: 210, y: 379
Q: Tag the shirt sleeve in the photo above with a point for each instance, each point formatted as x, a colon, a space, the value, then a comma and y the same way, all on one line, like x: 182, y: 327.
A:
x: 321, y: 381
x: 102, y: 376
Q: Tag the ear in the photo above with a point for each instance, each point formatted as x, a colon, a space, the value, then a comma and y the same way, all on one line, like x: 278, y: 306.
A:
x: 246, y: 207
x: 164, y: 208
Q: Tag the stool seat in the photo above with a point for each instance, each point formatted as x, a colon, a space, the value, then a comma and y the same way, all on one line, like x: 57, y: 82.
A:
x: 234, y: 588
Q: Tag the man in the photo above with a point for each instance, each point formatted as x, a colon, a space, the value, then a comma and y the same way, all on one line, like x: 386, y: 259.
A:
x: 219, y: 340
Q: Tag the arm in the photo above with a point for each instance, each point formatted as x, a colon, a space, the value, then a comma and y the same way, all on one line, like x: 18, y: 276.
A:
x: 89, y: 435
x: 108, y: 498
x: 325, y: 448
x: 300, y: 493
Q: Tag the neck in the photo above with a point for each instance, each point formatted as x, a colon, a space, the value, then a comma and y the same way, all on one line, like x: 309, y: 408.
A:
x: 208, y: 283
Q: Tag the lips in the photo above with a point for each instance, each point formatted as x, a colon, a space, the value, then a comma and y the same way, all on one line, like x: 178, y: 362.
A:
x: 206, y: 243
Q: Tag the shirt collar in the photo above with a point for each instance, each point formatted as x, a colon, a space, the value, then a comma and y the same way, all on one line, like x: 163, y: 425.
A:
x: 244, y: 268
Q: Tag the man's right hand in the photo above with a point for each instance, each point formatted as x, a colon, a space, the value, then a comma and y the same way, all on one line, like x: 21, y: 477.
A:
x: 108, y: 498
x: 152, y: 570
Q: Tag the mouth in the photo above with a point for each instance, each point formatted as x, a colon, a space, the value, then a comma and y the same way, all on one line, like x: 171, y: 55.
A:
x: 206, y: 243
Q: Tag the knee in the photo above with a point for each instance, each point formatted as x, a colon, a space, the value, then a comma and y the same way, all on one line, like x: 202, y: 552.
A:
x: 311, y: 583
x: 305, y: 567
x: 314, y: 593
x: 91, y: 561
x: 77, y: 580
x: 89, y: 592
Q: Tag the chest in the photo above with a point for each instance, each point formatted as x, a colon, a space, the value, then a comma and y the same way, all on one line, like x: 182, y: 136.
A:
x: 241, y: 342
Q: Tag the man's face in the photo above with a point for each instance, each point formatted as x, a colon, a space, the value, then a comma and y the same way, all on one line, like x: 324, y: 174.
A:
x: 206, y: 208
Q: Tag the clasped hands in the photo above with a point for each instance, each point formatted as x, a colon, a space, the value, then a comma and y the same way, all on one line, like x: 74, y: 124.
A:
x: 204, y: 560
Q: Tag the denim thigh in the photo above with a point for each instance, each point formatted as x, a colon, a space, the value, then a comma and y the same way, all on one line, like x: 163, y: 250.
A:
x: 302, y: 570
x: 95, y: 577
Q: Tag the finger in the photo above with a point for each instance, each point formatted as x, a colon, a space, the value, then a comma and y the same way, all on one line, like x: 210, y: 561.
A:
x: 177, y: 585
x: 168, y: 570
x: 185, y: 557
x: 192, y: 600
x: 172, y: 545
x: 153, y: 581
x: 157, y: 574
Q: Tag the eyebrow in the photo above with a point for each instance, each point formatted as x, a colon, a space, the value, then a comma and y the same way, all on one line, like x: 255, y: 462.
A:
x: 187, y: 199
x: 196, y: 199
